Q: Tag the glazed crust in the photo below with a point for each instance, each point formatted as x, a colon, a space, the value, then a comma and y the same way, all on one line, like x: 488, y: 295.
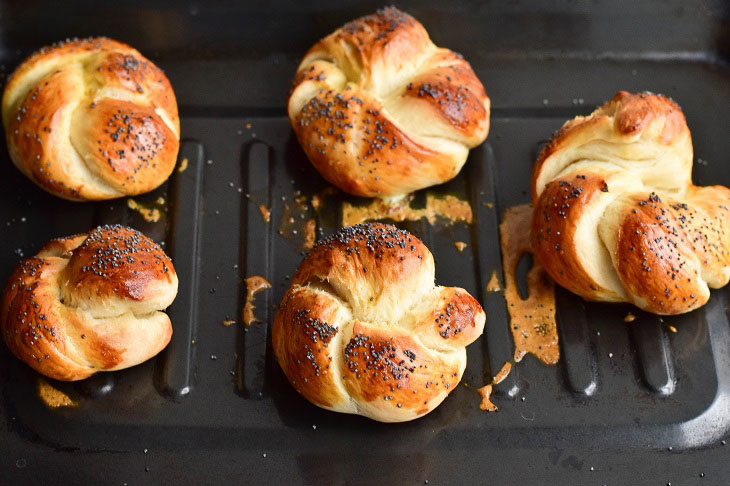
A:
x: 616, y: 216
x: 89, y: 303
x: 91, y: 119
x: 363, y: 329
x: 381, y: 111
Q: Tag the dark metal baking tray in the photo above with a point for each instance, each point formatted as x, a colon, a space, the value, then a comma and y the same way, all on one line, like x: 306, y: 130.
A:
x: 626, y: 404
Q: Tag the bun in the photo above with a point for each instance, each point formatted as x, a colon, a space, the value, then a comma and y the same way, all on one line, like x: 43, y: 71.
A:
x: 89, y: 303
x: 616, y: 216
x: 364, y: 330
x: 91, y: 119
x: 381, y: 111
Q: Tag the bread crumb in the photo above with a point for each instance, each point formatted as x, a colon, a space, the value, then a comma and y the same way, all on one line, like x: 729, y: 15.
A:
x: 493, y: 284
x: 629, y: 317
x: 183, y: 165
x: 151, y: 215
x: 310, y: 236
x: 265, y: 213
x: 52, y: 397
x: 460, y: 245
x: 228, y: 322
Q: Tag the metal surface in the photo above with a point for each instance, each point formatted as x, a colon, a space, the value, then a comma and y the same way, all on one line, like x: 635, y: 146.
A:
x: 626, y: 404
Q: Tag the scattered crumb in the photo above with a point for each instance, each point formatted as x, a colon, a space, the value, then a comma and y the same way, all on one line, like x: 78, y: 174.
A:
x: 488, y: 205
x: 52, y: 397
x: 151, y: 215
x: 672, y: 328
x: 228, y: 322
x: 448, y: 208
x: 248, y: 126
x: 310, y: 234
x: 183, y: 165
x: 629, y: 317
x: 265, y: 213
x: 460, y: 245
x: 160, y: 200
x: 493, y: 285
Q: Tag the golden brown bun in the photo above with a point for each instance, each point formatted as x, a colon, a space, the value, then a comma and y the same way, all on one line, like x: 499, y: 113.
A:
x: 616, y: 215
x: 89, y: 303
x: 381, y: 111
x: 364, y: 330
x: 91, y: 119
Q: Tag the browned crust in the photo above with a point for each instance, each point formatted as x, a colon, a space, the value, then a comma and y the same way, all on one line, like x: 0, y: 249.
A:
x: 302, y: 338
x: 631, y: 113
x: 453, y: 91
x: 127, y: 145
x: 53, y: 338
x: 555, y: 220
x: 665, y: 253
x: 657, y: 255
x: 391, y: 368
x: 393, y: 371
x: 33, y: 117
x: 117, y: 261
x: 347, y: 135
x: 373, y: 252
x: 377, y: 159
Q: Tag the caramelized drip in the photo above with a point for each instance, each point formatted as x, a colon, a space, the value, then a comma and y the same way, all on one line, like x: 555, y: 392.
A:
x: 485, y: 392
x: 254, y: 285
x: 532, y: 320
x: 448, y: 208
x: 502, y: 374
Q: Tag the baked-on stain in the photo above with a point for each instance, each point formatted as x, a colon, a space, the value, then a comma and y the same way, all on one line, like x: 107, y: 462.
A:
x: 493, y: 284
x: 460, y: 245
x: 310, y: 234
x: 183, y: 165
x: 52, y: 397
x: 151, y: 215
x: 485, y: 392
x: 254, y: 285
x: 449, y: 208
x: 293, y: 219
x: 532, y: 320
x: 265, y: 213
x: 502, y: 374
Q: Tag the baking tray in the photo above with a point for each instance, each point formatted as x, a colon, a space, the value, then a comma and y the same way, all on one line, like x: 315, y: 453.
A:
x: 626, y: 404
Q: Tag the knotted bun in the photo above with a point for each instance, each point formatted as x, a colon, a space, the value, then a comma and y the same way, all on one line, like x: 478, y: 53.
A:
x: 91, y: 119
x: 89, y: 303
x: 364, y: 330
x: 616, y: 216
x: 381, y: 111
